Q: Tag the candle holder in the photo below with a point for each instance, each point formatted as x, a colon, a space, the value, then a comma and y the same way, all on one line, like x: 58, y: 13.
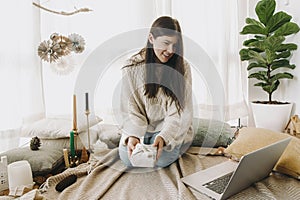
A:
x: 81, y: 156
x: 73, y: 161
x: 87, y: 112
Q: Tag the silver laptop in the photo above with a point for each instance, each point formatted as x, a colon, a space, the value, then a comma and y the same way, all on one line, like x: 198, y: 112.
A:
x: 228, y: 178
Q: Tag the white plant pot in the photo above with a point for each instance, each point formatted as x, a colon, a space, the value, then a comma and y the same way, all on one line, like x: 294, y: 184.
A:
x: 270, y: 116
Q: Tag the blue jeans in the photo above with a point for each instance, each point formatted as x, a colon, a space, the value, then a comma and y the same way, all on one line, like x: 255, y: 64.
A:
x: 166, y: 158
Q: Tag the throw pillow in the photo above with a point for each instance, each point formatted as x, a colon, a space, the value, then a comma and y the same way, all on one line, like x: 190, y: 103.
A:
x: 42, y: 161
x: 52, y: 128
x: 110, y: 134
x: 211, y: 133
x: 250, y: 139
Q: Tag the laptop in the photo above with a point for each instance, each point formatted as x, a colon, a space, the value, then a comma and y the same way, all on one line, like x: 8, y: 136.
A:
x: 230, y: 177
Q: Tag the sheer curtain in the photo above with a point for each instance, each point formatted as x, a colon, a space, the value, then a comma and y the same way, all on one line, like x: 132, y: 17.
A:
x: 214, y: 26
x: 20, y: 75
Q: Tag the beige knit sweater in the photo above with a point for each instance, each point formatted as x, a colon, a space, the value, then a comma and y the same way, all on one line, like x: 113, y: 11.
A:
x: 141, y: 114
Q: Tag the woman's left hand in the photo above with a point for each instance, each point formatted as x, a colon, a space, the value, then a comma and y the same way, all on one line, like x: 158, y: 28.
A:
x: 159, y: 143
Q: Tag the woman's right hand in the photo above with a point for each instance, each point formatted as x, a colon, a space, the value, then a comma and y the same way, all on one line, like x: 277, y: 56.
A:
x: 132, y: 141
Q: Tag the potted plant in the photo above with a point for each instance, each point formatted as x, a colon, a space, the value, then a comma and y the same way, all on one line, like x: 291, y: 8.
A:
x: 269, y: 56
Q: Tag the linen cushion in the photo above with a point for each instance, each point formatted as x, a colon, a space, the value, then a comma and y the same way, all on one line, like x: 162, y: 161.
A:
x: 250, y: 139
x: 110, y: 134
x: 211, y: 133
x: 52, y: 128
x: 42, y: 161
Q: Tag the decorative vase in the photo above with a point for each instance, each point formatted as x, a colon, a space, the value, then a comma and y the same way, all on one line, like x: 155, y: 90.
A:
x: 271, y: 116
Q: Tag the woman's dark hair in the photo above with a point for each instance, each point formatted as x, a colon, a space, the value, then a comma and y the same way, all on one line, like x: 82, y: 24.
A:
x: 171, y: 77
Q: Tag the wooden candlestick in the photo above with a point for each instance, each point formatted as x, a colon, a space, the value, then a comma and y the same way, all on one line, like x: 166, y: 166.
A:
x: 74, y: 114
x: 87, y: 112
x: 66, y: 158
x: 75, y: 133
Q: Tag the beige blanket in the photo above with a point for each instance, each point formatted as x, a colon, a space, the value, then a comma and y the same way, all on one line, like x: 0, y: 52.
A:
x: 105, y: 177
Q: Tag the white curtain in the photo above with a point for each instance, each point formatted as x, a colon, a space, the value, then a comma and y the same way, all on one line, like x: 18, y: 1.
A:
x: 214, y: 26
x: 20, y: 75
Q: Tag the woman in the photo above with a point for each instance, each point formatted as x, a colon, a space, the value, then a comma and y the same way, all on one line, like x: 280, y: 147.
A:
x: 157, y: 96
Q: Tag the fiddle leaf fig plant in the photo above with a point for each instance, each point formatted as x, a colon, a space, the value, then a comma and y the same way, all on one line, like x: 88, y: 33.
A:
x: 268, y: 55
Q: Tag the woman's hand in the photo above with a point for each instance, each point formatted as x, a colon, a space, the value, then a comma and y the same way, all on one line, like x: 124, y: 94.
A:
x: 132, y: 141
x: 159, y: 143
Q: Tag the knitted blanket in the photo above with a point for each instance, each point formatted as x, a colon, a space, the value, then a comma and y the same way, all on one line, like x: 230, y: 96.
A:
x: 106, y: 177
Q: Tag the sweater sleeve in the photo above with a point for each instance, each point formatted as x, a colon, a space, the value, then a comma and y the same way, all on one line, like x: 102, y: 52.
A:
x: 177, y: 126
x: 134, y: 121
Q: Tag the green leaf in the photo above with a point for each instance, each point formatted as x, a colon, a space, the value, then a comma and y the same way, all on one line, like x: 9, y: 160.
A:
x: 247, y: 42
x: 277, y: 21
x: 260, y: 37
x: 286, y: 47
x: 278, y: 76
x: 244, y: 54
x: 291, y: 66
x: 256, y: 56
x: 258, y: 45
x: 282, y: 63
x: 284, y: 54
x: 287, y: 29
x: 256, y: 50
x: 273, y: 42
x: 261, y: 84
x: 253, y: 29
x: 265, y: 9
x: 261, y: 75
x: 256, y: 65
x: 270, y: 55
x: 252, y: 21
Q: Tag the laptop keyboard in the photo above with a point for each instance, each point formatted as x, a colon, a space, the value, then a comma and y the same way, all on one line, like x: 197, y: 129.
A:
x: 218, y: 185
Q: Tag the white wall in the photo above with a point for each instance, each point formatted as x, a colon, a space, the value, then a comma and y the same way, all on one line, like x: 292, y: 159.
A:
x: 288, y: 89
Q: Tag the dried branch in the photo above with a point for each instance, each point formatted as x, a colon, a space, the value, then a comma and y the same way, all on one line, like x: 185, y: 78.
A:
x: 62, y: 12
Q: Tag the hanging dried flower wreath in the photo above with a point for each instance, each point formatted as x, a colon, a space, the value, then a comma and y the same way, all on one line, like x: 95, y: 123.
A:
x: 58, y: 46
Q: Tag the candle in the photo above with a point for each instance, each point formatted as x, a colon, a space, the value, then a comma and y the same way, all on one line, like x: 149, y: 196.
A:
x: 19, y: 176
x: 72, y: 146
x: 86, y: 101
x: 66, y: 157
x: 74, y: 114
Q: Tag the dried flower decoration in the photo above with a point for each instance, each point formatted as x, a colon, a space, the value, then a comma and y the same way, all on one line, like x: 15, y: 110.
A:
x: 64, y: 65
x: 77, y: 43
x: 44, y: 51
x: 58, y: 46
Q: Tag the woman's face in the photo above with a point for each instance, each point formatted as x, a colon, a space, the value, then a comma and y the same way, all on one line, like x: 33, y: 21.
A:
x: 163, y: 46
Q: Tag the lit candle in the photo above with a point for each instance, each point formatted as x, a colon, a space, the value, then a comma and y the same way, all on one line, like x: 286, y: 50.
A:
x: 74, y: 114
x: 86, y: 101
x: 72, y: 146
